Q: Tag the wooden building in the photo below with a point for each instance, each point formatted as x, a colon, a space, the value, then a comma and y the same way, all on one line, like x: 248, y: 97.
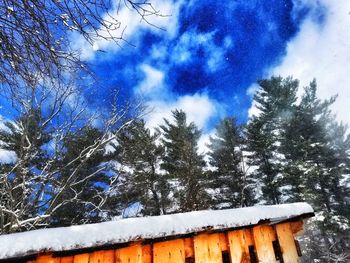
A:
x: 253, y: 234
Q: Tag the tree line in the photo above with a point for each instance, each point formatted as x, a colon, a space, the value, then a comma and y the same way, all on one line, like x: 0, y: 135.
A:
x: 74, y: 171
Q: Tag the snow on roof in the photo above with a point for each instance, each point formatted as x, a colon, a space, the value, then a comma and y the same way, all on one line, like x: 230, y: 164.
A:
x: 132, y: 229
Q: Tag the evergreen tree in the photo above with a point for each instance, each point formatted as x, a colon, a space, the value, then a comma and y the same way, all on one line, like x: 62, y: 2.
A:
x: 142, y: 181
x: 339, y: 164
x: 305, y: 142
x: 229, y: 179
x: 316, y: 150
x: 183, y: 164
x: 275, y: 101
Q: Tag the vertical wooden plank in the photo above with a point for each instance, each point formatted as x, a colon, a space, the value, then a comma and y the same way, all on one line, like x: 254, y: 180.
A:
x: 131, y: 254
x: 223, y: 242
x: 237, y: 251
x: 68, y: 259
x: 287, y: 244
x: 207, y: 248
x: 108, y: 256
x: 189, y: 248
x: 239, y: 242
x: 81, y: 258
x: 297, y: 227
x: 172, y: 251
x: 47, y: 259
x: 147, y: 253
x: 263, y: 236
x: 96, y: 257
x: 102, y: 256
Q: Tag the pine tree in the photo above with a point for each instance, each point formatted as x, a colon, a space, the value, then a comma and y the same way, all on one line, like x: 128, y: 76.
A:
x: 183, y: 164
x: 316, y: 149
x: 340, y: 166
x: 275, y: 100
x: 305, y: 141
x: 142, y: 181
x: 229, y: 179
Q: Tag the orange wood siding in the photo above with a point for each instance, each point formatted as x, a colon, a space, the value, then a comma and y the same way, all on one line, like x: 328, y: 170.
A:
x: 47, y: 259
x: 239, y: 242
x: 263, y: 236
x: 199, y: 248
x: 207, y: 248
x: 286, y: 240
x: 131, y: 254
x: 81, y: 258
x: 169, y: 251
x: 68, y: 259
x: 147, y: 253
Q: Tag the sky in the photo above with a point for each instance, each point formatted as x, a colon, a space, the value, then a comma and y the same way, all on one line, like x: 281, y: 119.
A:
x: 210, y: 54
x: 205, y: 57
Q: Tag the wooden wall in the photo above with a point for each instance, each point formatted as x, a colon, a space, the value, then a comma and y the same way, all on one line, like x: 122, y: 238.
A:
x: 262, y: 243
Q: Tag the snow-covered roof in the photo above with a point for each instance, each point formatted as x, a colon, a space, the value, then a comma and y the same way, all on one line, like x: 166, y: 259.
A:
x: 133, y: 229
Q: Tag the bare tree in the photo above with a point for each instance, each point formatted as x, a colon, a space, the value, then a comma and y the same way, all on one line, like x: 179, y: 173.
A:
x: 36, y: 185
x: 35, y: 36
x: 39, y: 70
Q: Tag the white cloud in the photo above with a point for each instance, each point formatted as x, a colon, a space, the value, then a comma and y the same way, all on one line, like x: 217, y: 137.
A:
x: 7, y: 157
x: 198, y: 107
x: 322, y: 51
x: 252, y: 89
x: 158, y: 52
x: 228, y: 42
x: 3, y: 127
x: 216, y: 59
x: 189, y: 43
x: 181, y: 53
x: 152, y: 84
x: 203, y: 143
x: 133, y: 25
x: 253, y: 110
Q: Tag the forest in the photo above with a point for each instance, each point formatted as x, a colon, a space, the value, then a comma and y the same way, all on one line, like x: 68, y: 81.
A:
x: 80, y: 171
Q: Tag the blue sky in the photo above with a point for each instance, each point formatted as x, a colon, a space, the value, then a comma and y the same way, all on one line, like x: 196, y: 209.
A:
x: 214, y: 49
x: 211, y: 53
